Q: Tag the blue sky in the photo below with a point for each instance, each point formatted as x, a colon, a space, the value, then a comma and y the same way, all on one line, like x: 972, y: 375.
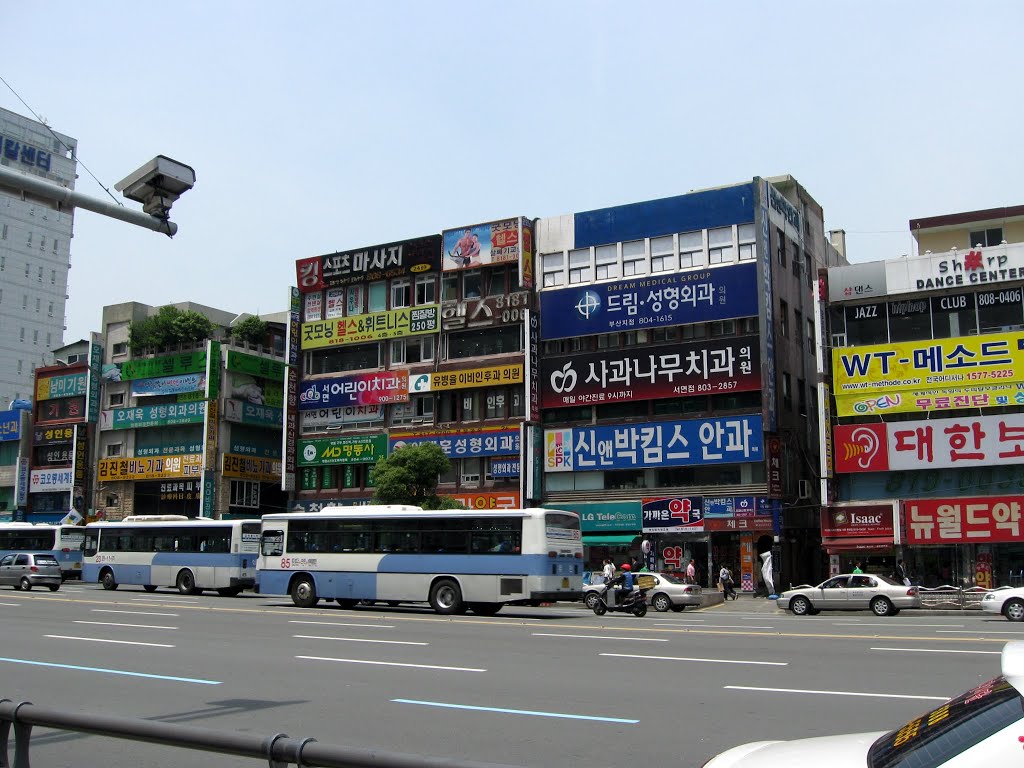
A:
x: 321, y: 126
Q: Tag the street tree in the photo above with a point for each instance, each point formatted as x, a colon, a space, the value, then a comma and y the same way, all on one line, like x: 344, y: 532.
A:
x: 410, y: 475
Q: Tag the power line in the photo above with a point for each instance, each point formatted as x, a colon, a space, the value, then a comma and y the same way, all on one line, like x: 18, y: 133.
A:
x: 61, y: 142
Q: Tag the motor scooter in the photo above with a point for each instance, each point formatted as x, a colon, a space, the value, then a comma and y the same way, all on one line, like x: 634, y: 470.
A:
x: 635, y: 602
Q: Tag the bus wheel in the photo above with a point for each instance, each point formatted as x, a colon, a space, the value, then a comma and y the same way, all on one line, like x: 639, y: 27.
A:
x: 346, y: 602
x: 149, y: 587
x: 446, y: 597
x: 304, y: 592
x: 186, y: 583
x: 229, y: 591
x: 107, y: 580
x: 485, y: 609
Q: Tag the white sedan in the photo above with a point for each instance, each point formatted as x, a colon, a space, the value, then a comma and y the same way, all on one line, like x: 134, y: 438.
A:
x: 981, y: 727
x: 851, y: 592
x: 1005, y: 602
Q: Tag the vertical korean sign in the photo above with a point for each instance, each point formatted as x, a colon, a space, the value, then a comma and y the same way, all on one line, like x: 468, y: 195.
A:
x: 767, y: 306
x: 291, y: 395
x: 95, y: 365
x: 80, y: 468
x: 211, y: 425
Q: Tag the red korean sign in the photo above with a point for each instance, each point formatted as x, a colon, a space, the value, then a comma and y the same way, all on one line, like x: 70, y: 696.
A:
x: 726, y: 524
x: 967, y: 520
x: 680, y: 370
x: 934, y: 444
x: 854, y: 521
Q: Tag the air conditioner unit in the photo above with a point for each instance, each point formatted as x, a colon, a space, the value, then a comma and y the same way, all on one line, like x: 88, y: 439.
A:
x: 804, y: 489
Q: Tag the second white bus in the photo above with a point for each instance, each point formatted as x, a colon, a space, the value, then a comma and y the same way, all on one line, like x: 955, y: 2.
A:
x: 451, y: 559
x: 191, y: 554
x: 64, y: 542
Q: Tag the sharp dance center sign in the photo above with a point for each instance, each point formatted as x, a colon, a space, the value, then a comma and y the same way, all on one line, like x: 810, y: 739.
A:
x: 682, y: 370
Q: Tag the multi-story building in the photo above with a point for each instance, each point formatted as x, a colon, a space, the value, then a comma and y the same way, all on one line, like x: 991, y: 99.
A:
x: 15, y: 449
x: 400, y: 346
x: 195, y: 430
x: 678, y: 382
x: 35, y: 252
x: 927, y: 378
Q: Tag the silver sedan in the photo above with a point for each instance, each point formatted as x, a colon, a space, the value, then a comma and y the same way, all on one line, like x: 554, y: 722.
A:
x: 851, y: 592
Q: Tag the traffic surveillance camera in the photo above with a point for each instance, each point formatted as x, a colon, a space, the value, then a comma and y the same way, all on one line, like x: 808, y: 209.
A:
x: 157, y: 184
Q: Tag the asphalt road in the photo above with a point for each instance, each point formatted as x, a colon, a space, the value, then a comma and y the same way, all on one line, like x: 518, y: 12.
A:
x: 551, y: 686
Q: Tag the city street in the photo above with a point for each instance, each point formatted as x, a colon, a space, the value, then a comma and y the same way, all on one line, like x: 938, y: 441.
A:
x: 535, y: 687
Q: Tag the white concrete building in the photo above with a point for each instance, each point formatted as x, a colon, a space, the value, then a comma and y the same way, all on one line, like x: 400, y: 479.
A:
x: 35, y: 252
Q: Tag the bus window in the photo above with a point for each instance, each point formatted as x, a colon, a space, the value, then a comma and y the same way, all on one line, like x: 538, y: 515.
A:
x: 272, y: 544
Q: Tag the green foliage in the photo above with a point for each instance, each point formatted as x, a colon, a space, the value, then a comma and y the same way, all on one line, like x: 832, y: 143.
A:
x: 409, y: 476
x: 252, y: 330
x: 169, y: 326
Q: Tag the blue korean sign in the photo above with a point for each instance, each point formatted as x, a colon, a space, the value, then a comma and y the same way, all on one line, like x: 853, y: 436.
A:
x: 10, y: 425
x: 169, y: 385
x: 673, y: 514
x: 459, y: 444
x: 505, y: 468
x: 737, y: 506
x: 696, y: 296
x: 726, y: 440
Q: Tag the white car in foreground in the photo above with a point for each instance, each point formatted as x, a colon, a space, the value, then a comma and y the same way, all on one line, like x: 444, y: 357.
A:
x: 981, y: 727
x: 1005, y: 602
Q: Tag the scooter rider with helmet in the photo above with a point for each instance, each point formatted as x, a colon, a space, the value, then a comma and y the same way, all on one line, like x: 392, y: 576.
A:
x: 624, y: 584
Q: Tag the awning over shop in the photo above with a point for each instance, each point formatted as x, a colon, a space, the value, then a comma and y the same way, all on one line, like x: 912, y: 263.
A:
x: 852, y: 543
x: 608, y: 541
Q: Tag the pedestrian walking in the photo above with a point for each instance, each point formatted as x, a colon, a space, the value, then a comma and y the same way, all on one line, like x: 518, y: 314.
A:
x: 691, y: 573
x: 608, y: 571
x: 725, y: 579
x: 857, y: 568
x: 901, y: 574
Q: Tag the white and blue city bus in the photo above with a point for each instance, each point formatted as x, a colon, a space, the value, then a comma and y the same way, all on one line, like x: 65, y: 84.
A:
x: 64, y: 542
x: 191, y: 554
x: 452, y: 559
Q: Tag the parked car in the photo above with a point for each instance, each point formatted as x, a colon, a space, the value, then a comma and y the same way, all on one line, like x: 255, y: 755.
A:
x: 1006, y: 602
x: 26, y: 570
x: 851, y: 592
x: 979, y: 727
x: 665, y: 591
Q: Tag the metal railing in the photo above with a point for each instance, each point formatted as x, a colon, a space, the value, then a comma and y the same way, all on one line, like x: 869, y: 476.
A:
x: 953, y: 597
x: 278, y: 749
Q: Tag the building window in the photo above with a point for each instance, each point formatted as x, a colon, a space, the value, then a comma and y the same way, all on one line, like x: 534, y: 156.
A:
x: 579, y: 266
x: 787, y: 392
x: 951, y: 316
x: 4, y: 237
x: 500, y: 340
x: 798, y: 323
x: 120, y: 348
x: 518, y: 406
x: 796, y: 259
x: 633, y: 254
x: 747, y: 240
x: 985, y: 237
x: 663, y: 254
x: 340, y: 360
x: 607, y: 259
x: 781, y: 237
x: 378, y: 296
x: 783, y: 318
x: 496, y: 284
x: 49, y: 309
x: 426, y: 290
x: 801, y: 397
x: 723, y: 328
x: 472, y: 284
x: 720, y: 246
x: 470, y: 406
x: 28, y: 266
x: 419, y: 409
x: 53, y: 277
x: 450, y: 286
x: 55, y: 243
x: 693, y: 331
x: 115, y: 398
x: 810, y: 334
x: 553, y: 265
x: 21, y: 365
x: 40, y: 278
x: 470, y: 470
x: 114, y: 450
x: 415, y: 350
x: 354, y: 299
x: 691, y: 249
x: 38, y: 303
x: 49, y: 341
x: 494, y: 406
x: 401, y: 293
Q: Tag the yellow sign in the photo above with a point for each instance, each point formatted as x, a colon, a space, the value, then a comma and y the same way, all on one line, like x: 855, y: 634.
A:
x: 928, y: 400
x: 473, y: 377
x: 409, y: 321
x: 252, y: 467
x: 963, y: 361
x: 151, y: 467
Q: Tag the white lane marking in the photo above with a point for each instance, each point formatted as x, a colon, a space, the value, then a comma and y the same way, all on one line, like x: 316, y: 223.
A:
x: 135, y: 613
x: 99, y: 640
x: 166, y: 601
x: 834, y: 693
x: 116, y: 624
x: 530, y: 712
x: 604, y: 637
x: 729, y: 626
x: 708, y: 661
x: 978, y: 632
x: 392, y: 664
x: 886, y: 624
x: 937, y: 650
x: 357, y: 640
x: 11, y: 605
x: 339, y: 624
